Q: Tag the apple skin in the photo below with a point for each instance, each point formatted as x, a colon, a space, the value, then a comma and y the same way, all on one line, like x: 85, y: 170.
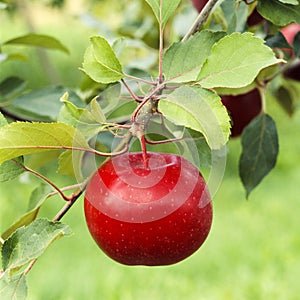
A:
x: 289, y: 33
x: 255, y: 18
x: 242, y: 109
x: 199, y: 4
x: 293, y: 71
x: 151, y: 216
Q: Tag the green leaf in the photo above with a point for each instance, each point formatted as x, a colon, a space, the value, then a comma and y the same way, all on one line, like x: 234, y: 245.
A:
x: 101, y: 63
x: 278, y: 41
x: 235, y: 61
x: 14, y: 287
x: 37, y: 198
x: 260, y: 151
x: 296, y: 44
x: 163, y: 9
x: 10, y: 169
x: 4, y: 57
x: 30, y: 242
x: 110, y: 98
x: 200, y: 110
x: 10, y: 86
x: 80, y: 118
x: 279, y: 13
x: 3, y: 120
x: 20, y: 138
x: 96, y: 111
x: 38, y: 40
x: 70, y: 163
x: 235, y: 16
x: 293, y: 2
x: 285, y: 99
x: 183, y: 60
x: 44, y: 102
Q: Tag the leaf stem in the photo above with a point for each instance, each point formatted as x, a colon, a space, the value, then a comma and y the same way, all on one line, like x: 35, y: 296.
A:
x: 262, y: 92
x: 139, y: 79
x: 70, y: 203
x: 202, y: 17
x: 42, y: 177
x: 133, y: 96
x: 161, y: 45
x: 90, y: 150
x: 172, y: 140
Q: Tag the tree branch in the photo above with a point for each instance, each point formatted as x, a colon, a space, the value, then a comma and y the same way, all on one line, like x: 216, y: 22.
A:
x: 202, y: 17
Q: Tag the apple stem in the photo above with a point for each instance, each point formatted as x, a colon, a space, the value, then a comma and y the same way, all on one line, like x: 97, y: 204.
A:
x: 144, y: 151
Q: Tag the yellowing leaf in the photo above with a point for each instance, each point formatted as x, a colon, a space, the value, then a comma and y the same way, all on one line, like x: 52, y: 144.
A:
x: 20, y: 138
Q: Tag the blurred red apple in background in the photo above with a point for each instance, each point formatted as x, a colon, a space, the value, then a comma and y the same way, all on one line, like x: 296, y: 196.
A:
x: 289, y: 33
x: 242, y: 109
x: 199, y: 4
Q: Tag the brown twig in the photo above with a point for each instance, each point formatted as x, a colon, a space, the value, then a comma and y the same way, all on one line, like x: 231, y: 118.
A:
x: 202, y: 17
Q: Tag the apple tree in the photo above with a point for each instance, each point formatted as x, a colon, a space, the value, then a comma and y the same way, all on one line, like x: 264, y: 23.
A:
x: 160, y: 110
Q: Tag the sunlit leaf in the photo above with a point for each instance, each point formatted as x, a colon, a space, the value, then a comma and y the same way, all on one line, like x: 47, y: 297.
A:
x: 235, y: 61
x: 293, y: 2
x: 200, y: 110
x: 3, y: 120
x: 20, y: 138
x: 9, y: 169
x: 101, y: 63
x: 183, y: 60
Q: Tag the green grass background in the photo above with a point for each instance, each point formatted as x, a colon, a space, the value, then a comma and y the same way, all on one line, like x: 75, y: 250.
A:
x: 252, y: 252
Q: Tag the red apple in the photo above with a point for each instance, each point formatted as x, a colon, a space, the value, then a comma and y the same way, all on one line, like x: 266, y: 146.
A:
x: 199, y: 4
x: 293, y: 71
x: 242, y: 109
x: 289, y: 33
x: 255, y: 18
x: 151, y: 216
